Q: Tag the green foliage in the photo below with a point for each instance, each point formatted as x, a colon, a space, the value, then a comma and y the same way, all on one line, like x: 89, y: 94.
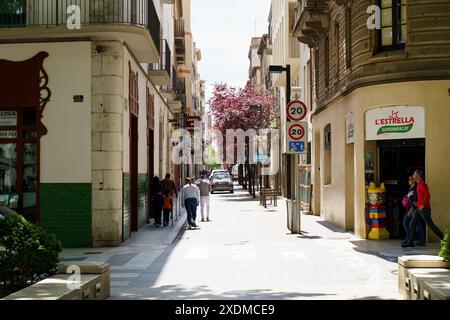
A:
x: 27, y: 252
x: 445, y: 248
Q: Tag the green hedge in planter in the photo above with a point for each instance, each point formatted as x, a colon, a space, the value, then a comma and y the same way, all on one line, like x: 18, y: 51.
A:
x: 27, y: 253
x: 445, y: 248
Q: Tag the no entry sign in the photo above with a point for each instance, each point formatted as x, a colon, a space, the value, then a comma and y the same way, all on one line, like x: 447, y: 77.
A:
x: 297, y: 137
x: 296, y: 110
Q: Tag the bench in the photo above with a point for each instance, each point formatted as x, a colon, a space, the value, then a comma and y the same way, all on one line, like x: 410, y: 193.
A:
x: 100, y: 289
x: 268, y: 193
x: 436, y: 289
x: 57, y: 287
x: 94, y: 284
x: 413, y: 269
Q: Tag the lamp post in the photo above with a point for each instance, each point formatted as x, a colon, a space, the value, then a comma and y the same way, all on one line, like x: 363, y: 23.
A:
x: 287, y: 69
x: 256, y: 107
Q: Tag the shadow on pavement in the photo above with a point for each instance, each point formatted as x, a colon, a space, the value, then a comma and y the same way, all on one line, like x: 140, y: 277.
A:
x: 331, y: 227
x: 391, y: 250
x: 177, y: 292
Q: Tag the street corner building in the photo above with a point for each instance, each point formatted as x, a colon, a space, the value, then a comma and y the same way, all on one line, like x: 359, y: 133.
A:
x: 380, y: 105
x: 86, y: 114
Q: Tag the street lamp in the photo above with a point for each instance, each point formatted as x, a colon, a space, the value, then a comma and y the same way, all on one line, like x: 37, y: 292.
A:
x: 287, y: 69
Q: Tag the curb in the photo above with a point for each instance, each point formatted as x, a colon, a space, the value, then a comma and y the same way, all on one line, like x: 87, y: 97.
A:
x: 175, y: 234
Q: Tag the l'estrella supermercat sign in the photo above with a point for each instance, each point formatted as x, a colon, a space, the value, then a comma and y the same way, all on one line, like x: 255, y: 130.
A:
x: 396, y: 122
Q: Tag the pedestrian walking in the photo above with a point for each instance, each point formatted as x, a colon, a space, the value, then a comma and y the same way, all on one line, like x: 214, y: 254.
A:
x: 157, y: 201
x: 408, y: 203
x: 169, y: 186
x: 190, y: 199
x: 205, y: 190
x: 167, y: 208
x: 423, y: 210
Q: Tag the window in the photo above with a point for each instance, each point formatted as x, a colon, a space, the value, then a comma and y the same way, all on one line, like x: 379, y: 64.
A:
x: 393, y: 24
x: 327, y: 155
x: 316, y: 71
x: 348, y: 38
x: 337, y: 50
x: 327, y: 61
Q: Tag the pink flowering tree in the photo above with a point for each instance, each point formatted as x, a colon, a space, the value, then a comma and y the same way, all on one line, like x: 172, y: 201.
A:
x: 230, y: 108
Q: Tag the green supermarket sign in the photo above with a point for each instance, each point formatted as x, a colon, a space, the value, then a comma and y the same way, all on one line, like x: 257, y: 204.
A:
x: 395, y: 129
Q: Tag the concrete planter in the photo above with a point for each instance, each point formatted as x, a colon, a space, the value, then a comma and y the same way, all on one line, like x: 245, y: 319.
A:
x: 413, y: 269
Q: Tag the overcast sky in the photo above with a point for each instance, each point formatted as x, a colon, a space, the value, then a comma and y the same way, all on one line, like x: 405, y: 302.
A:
x: 223, y: 30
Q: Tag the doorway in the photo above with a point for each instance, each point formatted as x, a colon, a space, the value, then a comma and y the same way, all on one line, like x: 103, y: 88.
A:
x: 19, y: 167
x: 398, y: 159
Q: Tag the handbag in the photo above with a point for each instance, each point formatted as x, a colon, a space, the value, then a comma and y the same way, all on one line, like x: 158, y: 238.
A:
x: 406, y: 203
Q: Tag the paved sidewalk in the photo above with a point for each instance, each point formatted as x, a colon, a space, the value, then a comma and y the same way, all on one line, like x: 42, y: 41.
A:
x: 137, y: 253
x: 246, y: 252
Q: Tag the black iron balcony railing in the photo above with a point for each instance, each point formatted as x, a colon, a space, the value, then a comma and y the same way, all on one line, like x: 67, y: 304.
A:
x: 180, y: 86
x: 165, y: 60
x: 49, y: 13
x: 173, y: 82
x: 179, y: 28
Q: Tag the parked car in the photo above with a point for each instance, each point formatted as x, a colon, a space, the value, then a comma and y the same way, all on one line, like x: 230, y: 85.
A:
x: 221, y: 181
x: 217, y: 171
x: 235, y: 173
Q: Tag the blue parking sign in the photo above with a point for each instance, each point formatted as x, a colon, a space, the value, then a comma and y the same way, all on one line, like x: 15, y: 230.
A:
x: 296, y: 146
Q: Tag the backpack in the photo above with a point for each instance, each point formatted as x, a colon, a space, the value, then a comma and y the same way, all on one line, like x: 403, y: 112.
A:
x: 167, y: 202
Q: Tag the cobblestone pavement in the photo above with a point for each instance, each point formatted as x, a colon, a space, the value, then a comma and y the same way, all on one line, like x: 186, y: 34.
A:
x: 246, y: 252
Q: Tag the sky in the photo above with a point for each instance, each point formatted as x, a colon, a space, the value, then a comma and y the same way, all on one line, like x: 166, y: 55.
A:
x: 223, y: 31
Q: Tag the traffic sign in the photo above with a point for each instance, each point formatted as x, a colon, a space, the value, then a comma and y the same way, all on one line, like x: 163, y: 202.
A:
x: 296, y: 110
x: 296, y: 131
x: 297, y: 137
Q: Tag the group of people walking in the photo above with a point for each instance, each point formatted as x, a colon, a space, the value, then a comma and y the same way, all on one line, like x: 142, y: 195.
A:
x: 418, y: 205
x: 192, y: 196
x: 195, y: 195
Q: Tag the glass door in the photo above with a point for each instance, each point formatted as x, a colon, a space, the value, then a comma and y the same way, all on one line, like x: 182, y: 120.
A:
x: 18, y: 161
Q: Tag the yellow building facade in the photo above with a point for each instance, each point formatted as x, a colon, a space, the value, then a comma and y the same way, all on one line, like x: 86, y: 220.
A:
x: 380, y: 106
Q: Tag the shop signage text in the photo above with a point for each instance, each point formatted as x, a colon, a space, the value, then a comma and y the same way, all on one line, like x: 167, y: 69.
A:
x: 399, y: 122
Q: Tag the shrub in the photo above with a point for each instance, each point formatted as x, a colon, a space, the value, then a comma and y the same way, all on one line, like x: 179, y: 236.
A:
x: 445, y: 248
x: 27, y: 253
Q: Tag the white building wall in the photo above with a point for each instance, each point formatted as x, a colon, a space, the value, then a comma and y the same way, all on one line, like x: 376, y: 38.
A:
x: 66, y: 149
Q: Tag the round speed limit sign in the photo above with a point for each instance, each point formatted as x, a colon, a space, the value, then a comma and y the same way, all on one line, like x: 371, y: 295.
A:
x: 296, y: 110
x: 296, y: 132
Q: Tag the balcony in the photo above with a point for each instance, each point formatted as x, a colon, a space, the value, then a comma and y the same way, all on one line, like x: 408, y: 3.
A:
x: 133, y: 21
x: 160, y: 72
x: 311, y: 21
x: 178, y: 93
x: 180, y: 41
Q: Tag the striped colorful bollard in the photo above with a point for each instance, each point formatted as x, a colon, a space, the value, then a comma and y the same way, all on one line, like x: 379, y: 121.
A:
x: 377, y: 212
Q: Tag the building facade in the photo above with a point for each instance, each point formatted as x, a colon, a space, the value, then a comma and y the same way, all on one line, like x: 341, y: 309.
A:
x: 87, y: 113
x: 380, y: 99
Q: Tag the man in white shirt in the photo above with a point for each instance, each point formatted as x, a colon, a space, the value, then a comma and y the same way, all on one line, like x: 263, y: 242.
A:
x: 190, y: 199
x: 205, y: 190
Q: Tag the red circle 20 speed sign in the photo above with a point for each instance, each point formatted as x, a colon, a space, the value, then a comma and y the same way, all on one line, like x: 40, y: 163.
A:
x: 296, y: 110
x: 296, y: 132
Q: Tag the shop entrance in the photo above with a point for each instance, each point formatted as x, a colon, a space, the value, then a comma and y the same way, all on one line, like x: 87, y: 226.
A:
x: 18, y: 161
x: 398, y: 159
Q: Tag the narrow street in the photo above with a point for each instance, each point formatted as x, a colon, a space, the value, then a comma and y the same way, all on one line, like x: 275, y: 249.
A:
x: 246, y: 252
